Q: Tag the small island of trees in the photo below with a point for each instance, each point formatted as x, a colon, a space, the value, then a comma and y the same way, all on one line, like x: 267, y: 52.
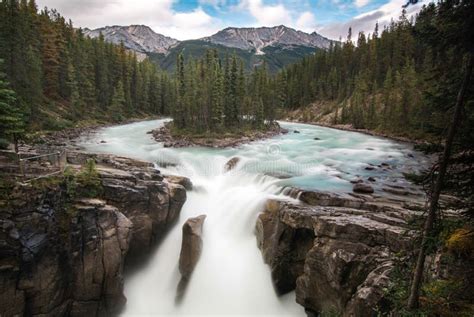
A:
x: 215, y: 95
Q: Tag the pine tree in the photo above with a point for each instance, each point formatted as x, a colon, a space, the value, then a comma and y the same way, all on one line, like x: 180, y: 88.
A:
x: 11, y: 121
x: 259, y: 113
x: 73, y: 93
x: 50, y: 50
x: 118, y: 103
x: 217, y: 110
x: 181, y: 91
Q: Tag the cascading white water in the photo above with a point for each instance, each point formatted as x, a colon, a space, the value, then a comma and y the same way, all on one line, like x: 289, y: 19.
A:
x: 231, y: 277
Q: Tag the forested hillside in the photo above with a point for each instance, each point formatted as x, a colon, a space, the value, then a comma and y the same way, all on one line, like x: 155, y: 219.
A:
x: 276, y: 57
x: 59, y: 76
x: 402, y: 80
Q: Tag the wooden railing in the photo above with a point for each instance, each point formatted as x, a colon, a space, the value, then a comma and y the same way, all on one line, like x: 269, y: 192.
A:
x: 40, y: 166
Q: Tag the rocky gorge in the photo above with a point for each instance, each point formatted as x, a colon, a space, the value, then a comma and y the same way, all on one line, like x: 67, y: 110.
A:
x: 337, y: 250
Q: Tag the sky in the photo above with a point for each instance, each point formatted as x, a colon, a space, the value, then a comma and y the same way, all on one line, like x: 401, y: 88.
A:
x: 192, y: 19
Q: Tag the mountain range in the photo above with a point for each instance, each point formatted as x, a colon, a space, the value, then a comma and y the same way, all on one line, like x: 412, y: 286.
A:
x: 277, y: 46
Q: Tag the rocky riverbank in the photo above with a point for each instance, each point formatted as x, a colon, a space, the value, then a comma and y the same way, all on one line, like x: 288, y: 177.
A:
x: 165, y: 135
x: 350, y: 127
x: 66, y: 258
x: 69, y: 137
x: 319, y: 114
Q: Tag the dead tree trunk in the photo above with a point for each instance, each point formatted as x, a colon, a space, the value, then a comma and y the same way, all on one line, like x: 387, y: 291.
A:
x: 429, y: 222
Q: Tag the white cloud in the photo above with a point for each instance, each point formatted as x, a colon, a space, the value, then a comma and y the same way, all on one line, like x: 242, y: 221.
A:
x: 189, y: 25
x: 159, y: 15
x: 267, y: 15
x: 196, y: 18
x: 306, y: 22
x: 278, y: 14
x: 361, y: 3
x: 366, y: 22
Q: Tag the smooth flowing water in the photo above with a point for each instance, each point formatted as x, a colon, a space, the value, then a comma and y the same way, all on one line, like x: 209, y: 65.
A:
x: 231, y: 277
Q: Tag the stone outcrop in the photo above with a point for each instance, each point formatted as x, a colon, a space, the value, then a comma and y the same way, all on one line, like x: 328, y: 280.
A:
x: 149, y: 199
x: 191, y: 249
x: 65, y: 258
x: 363, y: 188
x: 231, y: 164
x: 57, y: 262
x: 335, y: 251
x: 191, y: 246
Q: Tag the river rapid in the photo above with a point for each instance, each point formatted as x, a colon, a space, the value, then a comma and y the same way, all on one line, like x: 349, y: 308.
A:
x: 231, y: 278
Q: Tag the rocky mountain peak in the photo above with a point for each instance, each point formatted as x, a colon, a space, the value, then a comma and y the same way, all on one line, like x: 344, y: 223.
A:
x: 261, y: 37
x: 139, y: 38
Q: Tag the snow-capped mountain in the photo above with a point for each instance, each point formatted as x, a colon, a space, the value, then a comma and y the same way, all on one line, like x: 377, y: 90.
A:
x: 139, y: 38
x: 259, y: 38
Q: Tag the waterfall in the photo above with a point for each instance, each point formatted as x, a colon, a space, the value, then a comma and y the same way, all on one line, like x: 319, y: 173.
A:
x: 230, y: 277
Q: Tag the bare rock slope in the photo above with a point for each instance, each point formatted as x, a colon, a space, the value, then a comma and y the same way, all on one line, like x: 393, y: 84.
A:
x: 259, y: 38
x: 139, y: 38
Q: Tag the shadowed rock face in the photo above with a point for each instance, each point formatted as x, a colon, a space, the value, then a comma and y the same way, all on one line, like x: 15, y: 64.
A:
x: 335, y: 251
x: 285, y: 245
x: 61, y: 259
x: 191, y: 249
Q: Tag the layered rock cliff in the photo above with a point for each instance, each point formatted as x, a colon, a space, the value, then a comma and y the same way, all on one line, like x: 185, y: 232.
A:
x: 66, y: 258
x: 336, y: 252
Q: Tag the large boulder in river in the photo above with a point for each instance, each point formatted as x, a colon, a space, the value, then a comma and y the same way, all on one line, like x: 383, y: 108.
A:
x: 191, y: 249
x: 362, y: 188
x: 191, y: 246
x: 231, y: 164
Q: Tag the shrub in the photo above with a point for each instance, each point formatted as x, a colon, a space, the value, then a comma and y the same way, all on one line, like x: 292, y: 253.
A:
x: 56, y: 124
x: 461, y: 241
x: 85, y: 183
x: 4, y: 144
x: 89, y: 180
x: 429, y: 148
x: 415, y: 178
x: 439, y: 298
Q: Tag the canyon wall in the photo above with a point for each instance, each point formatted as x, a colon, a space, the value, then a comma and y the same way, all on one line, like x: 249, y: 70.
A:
x: 67, y: 258
x: 336, y: 252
